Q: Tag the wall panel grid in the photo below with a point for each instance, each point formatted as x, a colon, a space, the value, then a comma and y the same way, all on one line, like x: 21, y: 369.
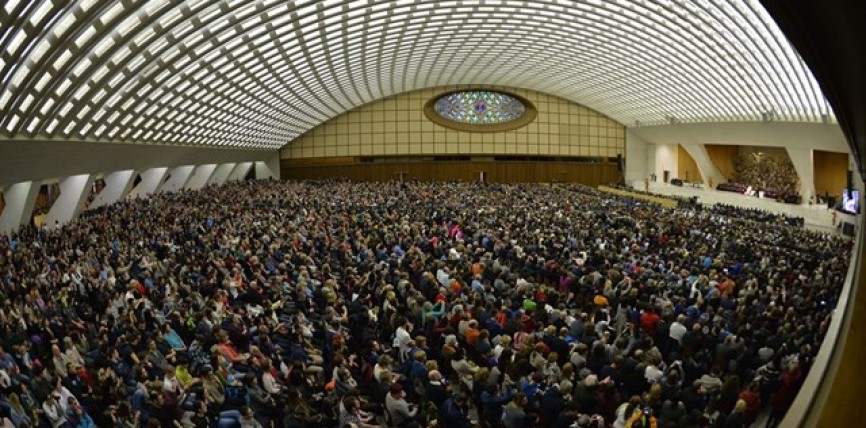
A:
x: 397, y: 126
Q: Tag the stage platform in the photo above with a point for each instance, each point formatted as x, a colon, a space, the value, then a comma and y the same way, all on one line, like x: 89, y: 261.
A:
x: 817, y: 217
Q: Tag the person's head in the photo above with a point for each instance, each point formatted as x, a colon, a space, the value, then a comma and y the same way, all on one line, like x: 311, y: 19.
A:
x: 351, y: 403
x: 740, y: 406
x: 385, y: 361
x: 14, y: 400
x: 565, y: 387
x: 396, y: 389
x: 247, y: 412
x: 519, y: 399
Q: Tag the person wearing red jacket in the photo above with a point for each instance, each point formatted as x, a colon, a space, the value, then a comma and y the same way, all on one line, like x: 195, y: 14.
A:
x: 752, y: 397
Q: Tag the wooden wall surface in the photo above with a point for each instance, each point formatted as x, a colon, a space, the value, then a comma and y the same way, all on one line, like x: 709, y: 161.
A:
x: 687, y: 168
x: 592, y: 174
x: 723, y: 158
x: 831, y: 172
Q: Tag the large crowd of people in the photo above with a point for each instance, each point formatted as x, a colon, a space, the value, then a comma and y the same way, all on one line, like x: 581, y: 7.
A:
x: 339, y: 304
x: 757, y: 215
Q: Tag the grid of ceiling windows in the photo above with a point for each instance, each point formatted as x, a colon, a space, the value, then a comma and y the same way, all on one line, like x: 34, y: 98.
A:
x: 259, y: 73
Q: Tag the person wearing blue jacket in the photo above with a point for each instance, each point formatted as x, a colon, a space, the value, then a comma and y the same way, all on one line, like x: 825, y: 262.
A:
x: 453, y: 412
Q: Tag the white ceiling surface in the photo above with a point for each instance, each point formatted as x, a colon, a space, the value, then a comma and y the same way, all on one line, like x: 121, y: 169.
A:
x: 257, y: 74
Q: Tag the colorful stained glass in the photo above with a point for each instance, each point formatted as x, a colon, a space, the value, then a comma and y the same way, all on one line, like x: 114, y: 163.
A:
x: 479, y: 107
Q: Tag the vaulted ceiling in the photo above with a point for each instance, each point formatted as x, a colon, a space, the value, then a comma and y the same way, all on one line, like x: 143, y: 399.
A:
x: 257, y: 74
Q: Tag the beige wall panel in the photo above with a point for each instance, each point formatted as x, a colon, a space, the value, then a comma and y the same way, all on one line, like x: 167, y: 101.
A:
x: 397, y: 125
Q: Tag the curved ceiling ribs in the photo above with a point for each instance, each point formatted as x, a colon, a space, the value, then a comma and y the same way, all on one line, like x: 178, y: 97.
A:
x: 256, y: 74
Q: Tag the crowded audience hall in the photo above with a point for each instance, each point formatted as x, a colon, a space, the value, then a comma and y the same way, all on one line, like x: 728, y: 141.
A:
x: 342, y: 304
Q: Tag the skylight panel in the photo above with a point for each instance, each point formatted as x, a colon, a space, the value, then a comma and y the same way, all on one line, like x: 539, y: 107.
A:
x: 99, y: 96
x: 103, y: 46
x: 85, y: 37
x: 85, y: 129
x: 40, y: 12
x: 111, y: 13
x: 26, y: 103
x: 16, y: 41
x: 46, y: 106
x: 170, y: 17
x: 10, y: 126
x: 19, y: 75
x: 69, y: 127
x: 51, y: 126
x: 128, y: 24
x: 144, y: 36
x: 113, y: 100
x: 63, y: 25
x: 82, y: 112
x: 234, y: 43
x: 10, y: 5
x: 87, y: 4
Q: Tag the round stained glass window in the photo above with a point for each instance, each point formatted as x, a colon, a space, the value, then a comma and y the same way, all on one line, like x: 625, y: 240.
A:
x: 480, y: 110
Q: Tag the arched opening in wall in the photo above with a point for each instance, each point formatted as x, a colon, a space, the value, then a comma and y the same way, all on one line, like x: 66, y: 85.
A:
x: 251, y: 174
x: 2, y: 203
x: 48, y: 195
x: 95, y: 189
x: 136, y: 181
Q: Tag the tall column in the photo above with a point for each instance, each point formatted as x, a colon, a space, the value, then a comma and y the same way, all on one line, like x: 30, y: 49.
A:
x: 665, y: 158
x: 240, y: 171
x: 178, y: 177
x: 269, y: 168
x: 151, y: 179
x: 804, y: 165
x: 635, y: 159
x: 708, y: 169
x: 117, y: 185
x: 200, y: 176
x: 221, y: 174
x: 20, y: 199
x: 74, y: 191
